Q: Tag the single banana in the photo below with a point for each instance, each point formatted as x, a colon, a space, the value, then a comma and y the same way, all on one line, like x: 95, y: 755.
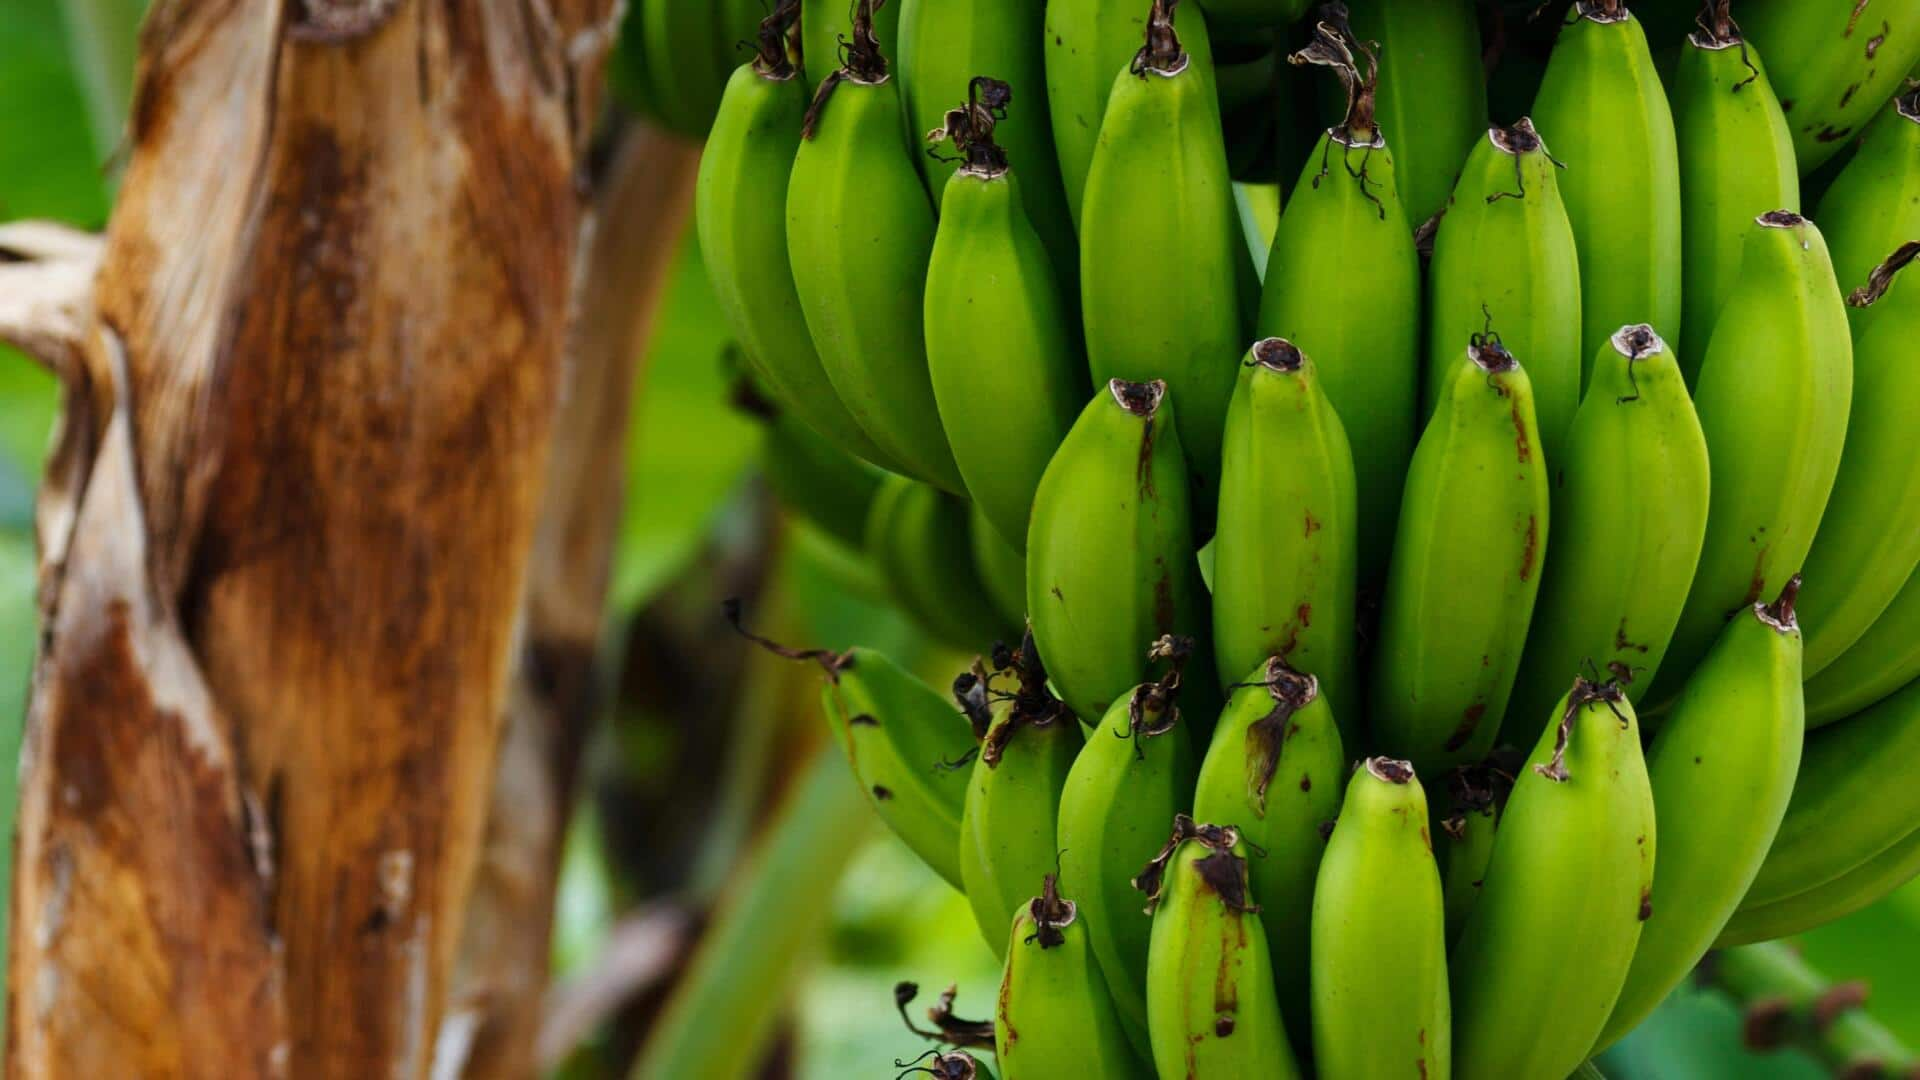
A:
x: 1773, y: 395
x: 1834, y: 64
x: 1008, y: 375
x: 1722, y: 768
x: 683, y: 57
x: 1629, y: 517
x: 1433, y: 92
x: 1160, y: 247
x: 1110, y: 550
x: 1274, y: 769
x: 1136, y: 771
x: 1869, y: 539
x: 1504, y: 256
x: 1546, y: 948
x: 1054, y: 1018
x: 1602, y: 101
x: 1002, y: 569
x: 859, y: 233
x: 1013, y: 796
x: 1380, y: 1001
x: 1284, y: 549
x: 1852, y: 801
x: 917, y: 537
x: 827, y: 33
x: 1210, y: 999
x: 1860, y: 887
x: 1874, y: 201
x: 1466, y: 567
x: 1466, y: 834
x: 1736, y: 161
x: 1886, y: 658
x: 817, y: 480
x: 1343, y: 284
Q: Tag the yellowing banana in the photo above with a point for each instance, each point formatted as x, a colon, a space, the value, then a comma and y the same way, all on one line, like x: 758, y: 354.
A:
x: 1432, y: 97
x: 1054, y: 1017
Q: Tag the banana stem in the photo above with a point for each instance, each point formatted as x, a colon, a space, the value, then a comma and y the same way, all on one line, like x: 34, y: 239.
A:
x: 1788, y: 1003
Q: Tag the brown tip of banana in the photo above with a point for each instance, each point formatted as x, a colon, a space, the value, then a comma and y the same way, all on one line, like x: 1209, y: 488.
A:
x: 1780, y: 219
x: 1142, y: 399
x: 1602, y: 11
x: 1519, y: 139
x: 1880, y: 279
x: 1780, y: 614
x: 1390, y: 770
x: 1637, y: 342
x: 1278, y: 354
x: 1162, y: 54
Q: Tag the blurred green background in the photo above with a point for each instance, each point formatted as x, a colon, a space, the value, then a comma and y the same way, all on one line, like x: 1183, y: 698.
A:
x: 691, y: 459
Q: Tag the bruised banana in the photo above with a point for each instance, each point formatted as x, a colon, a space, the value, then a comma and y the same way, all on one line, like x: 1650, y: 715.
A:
x: 1466, y: 567
x: 1136, y: 771
x: 1860, y: 887
x: 1343, y: 284
x: 1007, y: 372
x: 1274, y: 770
x: 917, y: 538
x: 1875, y: 200
x: 1284, y: 547
x: 1722, y: 768
x: 1161, y: 252
x: 859, y: 234
x: 1504, y: 257
x: 1886, y: 658
x: 1773, y: 396
x: 1433, y: 92
x: 1002, y: 569
x: 1210, y: 999
x: 827, y: 29
x: 1602, y: 102
x: 1546, y: 948
x: 1007, y: 830
x: 1054, y: 1017
x: 1380, y: 1001
x: 1837, y: 63
x: 1629, y: 516
x: 1736, y: 161
x: 1110, y: 549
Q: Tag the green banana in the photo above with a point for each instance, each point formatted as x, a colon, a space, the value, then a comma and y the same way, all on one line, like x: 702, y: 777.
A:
x: 1274, y: 769
x: 1054, y: 1018
x: 1210, y: 999
x: 1466, y: 834
x: 1834, y: 64
x: 1629, y: 517
x: 1284, y: 549
x: 687, y: 53
x: 1135, y: 772
x: 1160, y: 246
x: 1886, y: 658
x: 1773, y: 396
x: 1602, y: 101
x: 1874, y: 202
x: 817, y: 480
x: 1002, y: 569
x: 1007, y: 372
x: 917, y: 537
x: 1253, y: 14
x: 1736, y: 161
x: 859, y: 233
x: 1868, y: 543
x: 1722, y: 769
x: 1380, y: 1001
x: 1546, y: 948
x: 1007, y: 831
x: 1851, y: 803
x: 1504, y: 256
x: 1466, y: 566
x: 1433, y: 93
x: 1343, y: 283
x: 740, y: 201
x: 827, y: 32
x: 1864, y: 885
x: 1110, y: 549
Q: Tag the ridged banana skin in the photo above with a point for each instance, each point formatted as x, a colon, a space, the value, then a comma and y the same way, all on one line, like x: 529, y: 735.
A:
x: 819, y: 481
x: 1432, y: 101
x: 1736, y: 163
x: 1467, y: 858
x: 1869, y: 539
x: 1210, y: 996
x: 1119, y: 797
x: 825, y: 23
x: 740, y: 200
x: 1010, y: 820
x: 899, y: 735
x: 1851, y: 803
x: 1722, y: 767
x: 1303, y: 795
x: 1508, y: 264
x: 1833, y: 64
x: 1286, y: 541
x: 1858, y: 888
x: 1629, y: 519
x: 1465, y: 572
x: 1602, y: 102
x: 1546, y: 948
x: 1110, y: 561
x: 1773, y: 396
x: 1003, y: 569
x: 1886, y: 658
x: 1161, y: 252
x: 1053, y: 1017
x: 1380, y: 1002
x: 917, y: 538
x: 859, y: 234
x: 1874, y: 203
x: 1343, y: 284
x: 1008, y: 374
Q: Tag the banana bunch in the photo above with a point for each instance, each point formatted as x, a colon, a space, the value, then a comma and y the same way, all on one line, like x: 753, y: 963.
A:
x: 1386, y: 547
